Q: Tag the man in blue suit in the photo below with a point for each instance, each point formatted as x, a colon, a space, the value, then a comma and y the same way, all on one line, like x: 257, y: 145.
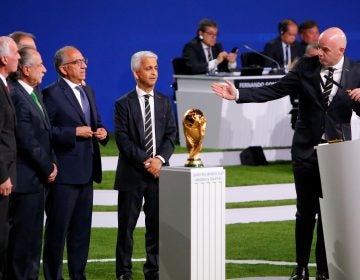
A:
x: 145, y: 132
x: 76, y: 132
x: 325, y: 112
x: 35, y: 167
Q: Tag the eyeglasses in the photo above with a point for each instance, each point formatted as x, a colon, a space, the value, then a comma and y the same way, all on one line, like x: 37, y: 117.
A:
x: 211, y: 33
x: 79, y: 62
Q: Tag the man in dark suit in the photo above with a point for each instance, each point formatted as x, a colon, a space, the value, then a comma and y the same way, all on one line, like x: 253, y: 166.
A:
x: 324, y: 115
x: 142, y: 113
x: 9, y: 58
x: 76, y: 132
x: 35, y: 167
x: 203, y: 54
x: 284, y: 48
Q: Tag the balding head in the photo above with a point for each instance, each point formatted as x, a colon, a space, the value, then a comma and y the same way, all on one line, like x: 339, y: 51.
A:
x: 332, y: 45
x: 334, y: 35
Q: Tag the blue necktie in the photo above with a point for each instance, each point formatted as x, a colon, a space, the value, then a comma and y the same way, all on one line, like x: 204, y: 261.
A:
x: 85, y: 105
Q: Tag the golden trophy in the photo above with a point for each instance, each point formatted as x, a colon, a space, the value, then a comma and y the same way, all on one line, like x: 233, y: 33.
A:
x: 194, y: 124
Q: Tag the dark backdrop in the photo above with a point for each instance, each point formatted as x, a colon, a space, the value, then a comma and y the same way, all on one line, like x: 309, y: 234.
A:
x: 108, y: 32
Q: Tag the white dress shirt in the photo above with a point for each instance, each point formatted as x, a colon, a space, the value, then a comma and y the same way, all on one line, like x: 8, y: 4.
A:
x: 336, y: 76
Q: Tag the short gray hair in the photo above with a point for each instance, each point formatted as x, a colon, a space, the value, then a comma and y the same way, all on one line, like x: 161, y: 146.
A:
x: 26, y: 58
x: 138, y: 56
x: 5, y: 42
x: 60, y: 57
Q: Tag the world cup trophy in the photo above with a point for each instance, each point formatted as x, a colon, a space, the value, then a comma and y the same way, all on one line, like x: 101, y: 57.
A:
x: 194, y: 124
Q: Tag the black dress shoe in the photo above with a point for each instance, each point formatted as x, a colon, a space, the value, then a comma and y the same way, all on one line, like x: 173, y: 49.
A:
x: 152, y: 276
x: 125, y: 277
x: 321, y: 275
x: 300, y: 273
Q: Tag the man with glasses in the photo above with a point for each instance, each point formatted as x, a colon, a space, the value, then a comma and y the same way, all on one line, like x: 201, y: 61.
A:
x: 76, y: 132
x: 204, y: 55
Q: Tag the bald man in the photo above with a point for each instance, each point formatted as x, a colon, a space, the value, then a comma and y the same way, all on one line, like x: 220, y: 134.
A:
x: 324, y: 115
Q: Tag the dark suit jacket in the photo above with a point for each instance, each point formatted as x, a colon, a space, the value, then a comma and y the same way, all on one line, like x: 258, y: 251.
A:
x: 129, y: 134
x: 194, y: 55
x: 274, y: 50
x: 7, y: 136
x: 315, y: 117
x: 35, y: 156
x: 78, y: 158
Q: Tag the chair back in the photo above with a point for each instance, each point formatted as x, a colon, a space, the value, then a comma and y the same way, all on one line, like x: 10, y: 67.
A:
x: 251, y: 59
x: 180, y: 67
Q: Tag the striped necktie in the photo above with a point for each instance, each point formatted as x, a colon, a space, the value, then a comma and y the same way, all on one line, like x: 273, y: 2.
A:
x: 328, y: 86
x: 148, y: 127
x: 286, y: 58
x: 209, y: 54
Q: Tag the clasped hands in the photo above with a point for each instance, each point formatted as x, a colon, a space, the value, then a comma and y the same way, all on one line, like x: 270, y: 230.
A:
x: 6, y: 187
x: 230, y: 57
x: 153, y: 165
x: 86, y: 132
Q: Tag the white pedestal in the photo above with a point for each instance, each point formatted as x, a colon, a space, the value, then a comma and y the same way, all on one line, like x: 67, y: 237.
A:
x: 340, y: 178
x: 192, y: 223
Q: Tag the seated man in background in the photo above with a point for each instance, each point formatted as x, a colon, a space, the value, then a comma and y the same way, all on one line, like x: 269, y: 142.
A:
x: 310, y: 50
x: 203, y: 54
x: 284, y: 48
x: 309, y: 33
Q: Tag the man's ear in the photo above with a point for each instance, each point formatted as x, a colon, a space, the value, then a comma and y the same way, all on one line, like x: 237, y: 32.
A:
x: 3, y: 60
x: 62, y: 70
x: 135, y: 75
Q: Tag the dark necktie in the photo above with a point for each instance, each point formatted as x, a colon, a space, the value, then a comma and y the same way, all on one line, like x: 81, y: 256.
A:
x: 36, y: 101
x: 85, y: 105
x: 328, y: 86
x: 209, y: 55
x: 148, y: 127
x: 286, y: 57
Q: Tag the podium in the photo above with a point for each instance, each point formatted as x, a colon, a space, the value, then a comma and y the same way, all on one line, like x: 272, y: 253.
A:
x: 192, y: 223
x: 340, y: 180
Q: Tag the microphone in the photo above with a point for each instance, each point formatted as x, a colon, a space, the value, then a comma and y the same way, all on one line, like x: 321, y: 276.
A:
x: 278, y: 69
x: 333, y: 81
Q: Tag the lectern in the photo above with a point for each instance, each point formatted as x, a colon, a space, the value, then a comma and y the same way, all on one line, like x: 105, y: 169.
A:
x: 339, y: 165
x: 192, y: 223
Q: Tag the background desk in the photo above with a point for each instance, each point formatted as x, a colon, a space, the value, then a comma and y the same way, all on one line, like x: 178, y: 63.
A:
x: 230, y: 125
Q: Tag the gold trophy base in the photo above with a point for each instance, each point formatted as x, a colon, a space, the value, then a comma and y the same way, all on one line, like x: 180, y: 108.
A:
x: 194, y: 162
